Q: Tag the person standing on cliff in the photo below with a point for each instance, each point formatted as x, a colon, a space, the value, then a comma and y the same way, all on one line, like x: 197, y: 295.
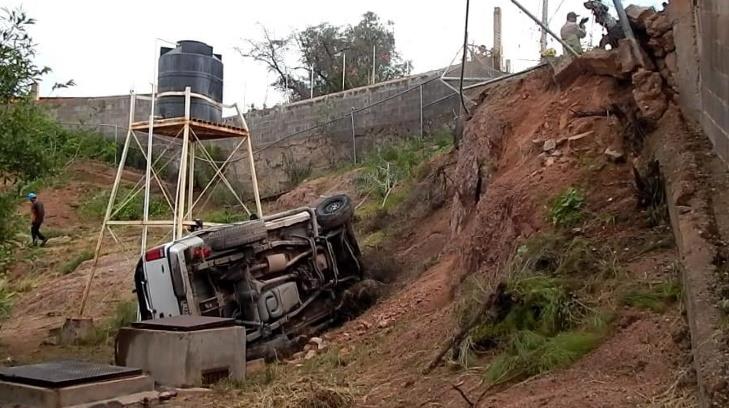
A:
x: 37, y: 215
x: 572, y: 32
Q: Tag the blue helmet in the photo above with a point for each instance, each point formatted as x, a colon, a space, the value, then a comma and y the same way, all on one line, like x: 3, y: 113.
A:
x: 31, y: 196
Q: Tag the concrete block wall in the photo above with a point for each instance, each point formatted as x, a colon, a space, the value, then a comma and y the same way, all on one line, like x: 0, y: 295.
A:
x: 315, y: 133
x: 701, y: 32
x: 713, y: 37
x: 93, y: 111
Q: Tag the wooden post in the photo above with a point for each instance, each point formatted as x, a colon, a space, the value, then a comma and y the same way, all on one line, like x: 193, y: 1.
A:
x: 182, y: 183
x: 110, y: 205
x: 251, y: 162
x: 354, y: 140
x: 191, y: 181
x: 148, y: 175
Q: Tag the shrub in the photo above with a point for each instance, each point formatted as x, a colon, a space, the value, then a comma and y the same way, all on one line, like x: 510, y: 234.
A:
x: 395, y: 164
x: 548, y: 321
x: 124, y: 314
x: 296, y: 170
x: 566, y: 209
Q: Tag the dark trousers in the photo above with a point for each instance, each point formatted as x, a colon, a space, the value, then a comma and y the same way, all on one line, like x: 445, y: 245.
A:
x: 35, y: 232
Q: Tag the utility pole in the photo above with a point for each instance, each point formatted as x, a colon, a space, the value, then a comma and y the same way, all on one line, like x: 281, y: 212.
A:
x: 374, y: 61
x: 344, y: 67
x: 311, y: 83
x: 545, y: 21
x: 497, y: 51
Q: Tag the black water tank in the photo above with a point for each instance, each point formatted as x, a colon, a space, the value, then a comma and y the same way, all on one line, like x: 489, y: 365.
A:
x: 193, y: 64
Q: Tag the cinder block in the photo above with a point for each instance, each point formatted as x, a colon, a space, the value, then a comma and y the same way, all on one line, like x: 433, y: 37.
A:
x: 184, y: 359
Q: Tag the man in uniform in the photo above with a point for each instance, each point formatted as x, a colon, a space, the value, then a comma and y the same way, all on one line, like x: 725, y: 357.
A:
x: 572, y: 32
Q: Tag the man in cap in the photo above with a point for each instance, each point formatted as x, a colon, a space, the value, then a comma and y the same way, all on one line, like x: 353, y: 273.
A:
x: 37, y: 214
x: 572, y: 32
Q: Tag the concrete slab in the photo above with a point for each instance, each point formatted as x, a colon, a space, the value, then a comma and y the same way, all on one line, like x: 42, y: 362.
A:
x: 24, y: 395
x: 184, y: 359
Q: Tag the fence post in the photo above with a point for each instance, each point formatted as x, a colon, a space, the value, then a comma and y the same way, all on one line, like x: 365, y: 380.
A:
x: 421, y: 111
x: 116, y: 144
x: 354, y: 141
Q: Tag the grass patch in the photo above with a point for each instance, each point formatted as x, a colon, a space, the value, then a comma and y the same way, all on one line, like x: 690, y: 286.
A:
x: 324, y: 362
x: 656, y: 298
x: 253, y: 381
x: 226, y: 216
x: 374, y: 240
x: 7, y: 298
x: 95, y: 207
x: 529, y: 353
x: 73, y: 263
x: 394, y: 165
x: 549, y: 319
x: 124, y: 314
x: 565, y: 210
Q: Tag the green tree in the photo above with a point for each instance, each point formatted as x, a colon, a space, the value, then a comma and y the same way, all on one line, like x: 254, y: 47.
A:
x: 17, y: 69
x: 30, y: 142
x: 323, y: 49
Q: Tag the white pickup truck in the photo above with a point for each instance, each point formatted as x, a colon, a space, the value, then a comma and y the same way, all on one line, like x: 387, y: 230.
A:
x: 280, y: 277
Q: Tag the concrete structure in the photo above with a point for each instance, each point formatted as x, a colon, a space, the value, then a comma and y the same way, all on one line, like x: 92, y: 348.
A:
x: 68, y: 383
x: 701, y: 32
x: 184, y: 359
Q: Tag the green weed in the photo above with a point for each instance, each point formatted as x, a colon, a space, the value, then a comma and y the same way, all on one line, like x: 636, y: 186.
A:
x: 124, y: 314
x: 7, y: 298
x: 566, y: 209
x: 73, y: 263
x: 656, y: 298
x: 296, y: 170
x: 396, y: 164
x: 549, y: 321
x: 133, y: 210
x: 253, y: 381
x: 226, y: 216
x: 529, y: 353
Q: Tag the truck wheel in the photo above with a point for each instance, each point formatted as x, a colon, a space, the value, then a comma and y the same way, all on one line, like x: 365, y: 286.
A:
x: 334, y: 211
x: 236, y: 235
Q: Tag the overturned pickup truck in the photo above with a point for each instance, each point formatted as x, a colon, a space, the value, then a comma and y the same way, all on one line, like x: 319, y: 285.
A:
x: 280, y: 277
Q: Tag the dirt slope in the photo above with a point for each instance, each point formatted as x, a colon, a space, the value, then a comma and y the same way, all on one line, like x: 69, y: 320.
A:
x: 501, y: 180
x: 49, y: 296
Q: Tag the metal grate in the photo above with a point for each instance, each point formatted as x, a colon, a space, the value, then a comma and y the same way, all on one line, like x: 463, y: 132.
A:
x: 63, y: 373
x: 185, y: 323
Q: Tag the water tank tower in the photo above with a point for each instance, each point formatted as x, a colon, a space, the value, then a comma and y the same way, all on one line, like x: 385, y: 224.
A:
x: 193, y: 64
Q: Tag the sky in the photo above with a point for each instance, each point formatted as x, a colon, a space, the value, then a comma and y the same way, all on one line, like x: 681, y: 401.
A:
x: 110, y: 47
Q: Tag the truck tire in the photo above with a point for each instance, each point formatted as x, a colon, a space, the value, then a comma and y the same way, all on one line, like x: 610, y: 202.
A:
x: 236, y: 235
x: 334, y: 211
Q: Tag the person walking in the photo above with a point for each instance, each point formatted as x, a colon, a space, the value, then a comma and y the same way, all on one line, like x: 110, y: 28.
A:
x: 37, y: 213
x: 572, y: 32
